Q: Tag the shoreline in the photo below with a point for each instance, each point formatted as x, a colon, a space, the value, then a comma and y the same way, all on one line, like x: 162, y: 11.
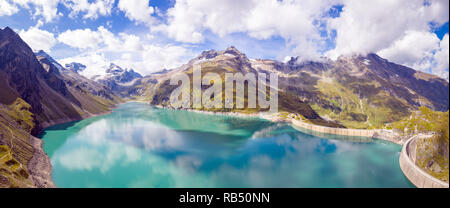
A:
x: 43, y: 177
x: 264, y: 116
x: 40, y: 166
x: 63, y: 121
x: 380, y: 134
x: 304, y: 127
x: 90, y: 115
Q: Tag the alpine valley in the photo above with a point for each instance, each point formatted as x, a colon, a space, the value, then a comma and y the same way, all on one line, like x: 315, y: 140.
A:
x: 358, y: 92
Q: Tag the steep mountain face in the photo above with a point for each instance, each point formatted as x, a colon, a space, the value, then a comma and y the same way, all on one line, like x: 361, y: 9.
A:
x: 360, y: 91
x: 34, y: 94
x: 25, y: 77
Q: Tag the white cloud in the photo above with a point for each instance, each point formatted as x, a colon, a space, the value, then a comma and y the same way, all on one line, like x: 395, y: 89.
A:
x: 102, y: 39
x: 415, y: 50
x: 102, y: 47
x: 441, y: 59
x: 96, y: 63
x: 7, y: 9
x: 295, y: 21
x: 92, y: 9
x: 421, y: 51
x: 400, y: 31
x: 371, y: 26
x: 137, y: 10
x: 154, y: 58
x: 109, y: 39
x: 48, y: 9
x: 81, y: 39
x: 45, y: 8
x: 131, y: 42
x: 397, y: 30
x: 38, y: 39
x: 438, y: 11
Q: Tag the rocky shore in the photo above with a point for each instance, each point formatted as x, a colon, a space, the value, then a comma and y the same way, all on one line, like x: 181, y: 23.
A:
x: 40, y: 167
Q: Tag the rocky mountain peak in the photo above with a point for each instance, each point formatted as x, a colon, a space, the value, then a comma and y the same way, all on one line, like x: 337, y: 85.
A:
x: 42, y: 53
x: 12, y: 42
x: 209, y: 54
x: 376, y: 58
x: 114, y: 69
x: 234, y: 51
x: 162, y: 71
x: 293, y: 60
x: 120, y: 74
x: 6, y: 32
x: 116, y: 77
x: 75, y: 67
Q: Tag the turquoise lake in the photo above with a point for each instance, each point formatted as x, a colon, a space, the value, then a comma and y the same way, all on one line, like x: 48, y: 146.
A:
x: 141, y: 146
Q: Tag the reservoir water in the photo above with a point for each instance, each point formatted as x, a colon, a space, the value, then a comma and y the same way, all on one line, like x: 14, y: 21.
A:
x: 141, y: 146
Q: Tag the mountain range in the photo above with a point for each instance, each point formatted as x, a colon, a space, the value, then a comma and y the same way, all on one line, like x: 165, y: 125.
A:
x: 355, y: 92
x: 360, y: 91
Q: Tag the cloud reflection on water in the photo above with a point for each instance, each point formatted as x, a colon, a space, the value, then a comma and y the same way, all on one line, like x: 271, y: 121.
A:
x: 159, y: 151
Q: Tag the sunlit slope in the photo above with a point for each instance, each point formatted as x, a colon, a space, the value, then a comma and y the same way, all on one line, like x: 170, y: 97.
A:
x: 230, y: 61
x: 360, y: 91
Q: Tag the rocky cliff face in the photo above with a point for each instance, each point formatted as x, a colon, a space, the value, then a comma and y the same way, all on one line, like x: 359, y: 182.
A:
x: 36, y: 93
x: 29, y: 80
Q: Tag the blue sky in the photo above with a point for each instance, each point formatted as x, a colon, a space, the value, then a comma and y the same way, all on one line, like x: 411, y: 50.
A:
x: 151, y: 35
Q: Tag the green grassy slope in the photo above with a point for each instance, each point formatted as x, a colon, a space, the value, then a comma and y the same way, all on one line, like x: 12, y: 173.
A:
x: 16, y: 122
x: 287, y: 102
